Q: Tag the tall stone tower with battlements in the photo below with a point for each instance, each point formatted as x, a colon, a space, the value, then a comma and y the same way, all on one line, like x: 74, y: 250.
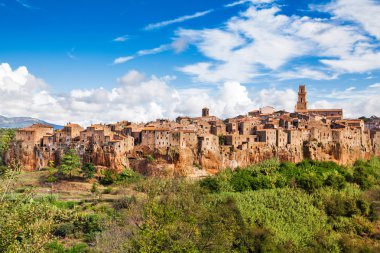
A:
x: 301, y: 105
x: 205, y: 112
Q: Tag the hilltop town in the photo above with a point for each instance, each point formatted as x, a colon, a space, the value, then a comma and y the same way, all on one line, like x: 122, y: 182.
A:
x: 202, y: 145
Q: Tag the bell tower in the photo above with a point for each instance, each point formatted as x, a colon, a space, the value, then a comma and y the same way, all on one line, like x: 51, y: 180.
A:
x: 301, y: 105
x: 205, y: 112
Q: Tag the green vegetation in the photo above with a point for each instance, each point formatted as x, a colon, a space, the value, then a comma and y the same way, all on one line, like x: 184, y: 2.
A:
x: 270, y: 207
x: 6, y: 136
x: 88, y: 170
x: 70, y: 163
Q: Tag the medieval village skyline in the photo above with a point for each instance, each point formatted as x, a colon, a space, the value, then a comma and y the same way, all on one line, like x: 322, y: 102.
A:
x: 126, y: 61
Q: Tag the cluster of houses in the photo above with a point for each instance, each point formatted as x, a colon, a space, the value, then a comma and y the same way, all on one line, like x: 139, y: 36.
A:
x: 263, y: 127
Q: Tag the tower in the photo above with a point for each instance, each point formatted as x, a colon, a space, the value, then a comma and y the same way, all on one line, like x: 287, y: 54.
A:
x: 301, y: 105
x: 205, y: 112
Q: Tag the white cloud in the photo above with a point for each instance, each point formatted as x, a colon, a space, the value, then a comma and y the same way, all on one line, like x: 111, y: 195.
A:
x: 26, y: 5
x: 248, y: 1
x: 144, y: 52
x: 354, y: 104
x: 375, y: 85
x: 262, y: 40
x: 137, y: 97
x: 306, y: 73
x: 154, y: 50
x: 177, y: 20
x: 121, y: 38
x: 350, y: 88
x: 357, y: 62
x: 364, y: 12
x: 123, y: 59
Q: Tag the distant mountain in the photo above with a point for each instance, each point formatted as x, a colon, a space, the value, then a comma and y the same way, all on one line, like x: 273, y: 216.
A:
x: 19, y: 122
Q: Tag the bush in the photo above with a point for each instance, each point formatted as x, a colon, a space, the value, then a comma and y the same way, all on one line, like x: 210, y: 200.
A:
x: 261, y: 182
x: 56, y: 247
x: 107, y: 190
x: 90, y: 225
x: 309, y: 182
x: 211, y: 183
x: 94, y: 188
x: 288, y: 213
x: 241, y: 180
x: 128, y: 176
x: 109, y: 177
x: 362, y: 178
x: 64, y: 230
x: 336, y: 181
x: 124, y: 202
x: 88, y: 170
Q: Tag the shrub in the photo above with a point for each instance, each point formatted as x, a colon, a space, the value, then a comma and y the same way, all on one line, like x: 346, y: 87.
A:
x: 281, y: 182
x: 211, y: 183
x: 88, y: 170
x: 57, y: 247
x: 288, y: 213
x: 94, y: 187
x: 336, y: 181
x: 109, y: 177
x: 309, y: 182
x: 107, y: 190
x: 90, y: 225
x: 241, y: 180
x: 128, y: 176
x: 64, y: 230
x: 261, y: 182
x: 362, y: 178
x: 124, y: 202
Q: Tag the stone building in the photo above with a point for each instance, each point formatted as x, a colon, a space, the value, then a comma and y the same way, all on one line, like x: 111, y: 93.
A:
x: 162, y: 138
x: 294, y: 137
x: 238, y: 141
x: 301, y: 107
x: 32, y: 136
x: 68, y: 133
x: 208, y: 142
x: 205, y: 112
x: 269, y: 136
x: 247, y: 126
x: 281, y: 138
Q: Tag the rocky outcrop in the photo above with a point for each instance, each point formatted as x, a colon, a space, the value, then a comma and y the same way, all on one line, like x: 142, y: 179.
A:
x: 35, y: 158
x: 187, y: 162
x: 105, y: 158
x: 336, y: 152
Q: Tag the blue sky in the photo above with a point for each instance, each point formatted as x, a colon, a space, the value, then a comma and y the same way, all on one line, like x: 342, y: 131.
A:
x: 89, y: 61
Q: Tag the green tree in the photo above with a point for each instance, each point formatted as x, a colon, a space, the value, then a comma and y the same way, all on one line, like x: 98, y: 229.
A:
x: 88, y: 170
x: 25, y: 224
x: 70, y: 162
x: 6, y: 136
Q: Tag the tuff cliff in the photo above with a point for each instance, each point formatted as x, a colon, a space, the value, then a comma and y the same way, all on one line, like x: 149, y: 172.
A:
x: 35, y: 158
x: 188, y: 162
x: 191, y: 163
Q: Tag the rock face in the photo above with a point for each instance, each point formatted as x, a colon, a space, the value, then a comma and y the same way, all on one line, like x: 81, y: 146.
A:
x: 36, y: 158
x: 189, y: 162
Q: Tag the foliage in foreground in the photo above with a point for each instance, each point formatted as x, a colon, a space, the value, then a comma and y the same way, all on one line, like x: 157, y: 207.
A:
x: 271, y: 207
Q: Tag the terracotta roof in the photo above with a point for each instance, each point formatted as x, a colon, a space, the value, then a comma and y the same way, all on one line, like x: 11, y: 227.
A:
x: 34, y: 127
x: 73, y: 125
